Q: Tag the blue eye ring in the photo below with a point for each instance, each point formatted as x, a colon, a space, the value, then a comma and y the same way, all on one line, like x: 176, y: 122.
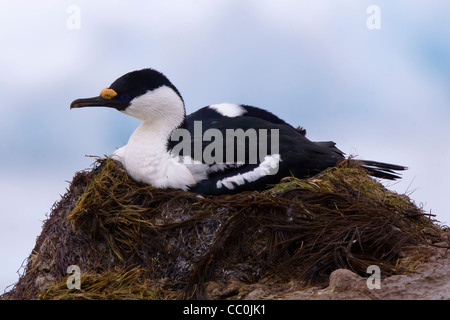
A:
x: 124, y: 97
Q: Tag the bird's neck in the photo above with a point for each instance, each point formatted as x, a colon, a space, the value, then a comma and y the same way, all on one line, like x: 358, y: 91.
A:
x: 150, y: 139
x: 161, y: 112
x: 147, y: 159
x: 157, y: 130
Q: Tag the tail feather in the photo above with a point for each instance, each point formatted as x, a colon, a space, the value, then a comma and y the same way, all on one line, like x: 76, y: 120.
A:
x: 382, y: 170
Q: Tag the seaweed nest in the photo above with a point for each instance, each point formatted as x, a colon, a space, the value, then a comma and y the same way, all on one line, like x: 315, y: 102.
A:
x: 133, y: 241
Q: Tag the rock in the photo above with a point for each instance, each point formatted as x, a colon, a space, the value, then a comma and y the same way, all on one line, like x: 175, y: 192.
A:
x: 42, y: 282
x: 429, y: 231
x: 342, y: 280
x: 255, y: 294
x: 446, y: 236
x: 443, y: 244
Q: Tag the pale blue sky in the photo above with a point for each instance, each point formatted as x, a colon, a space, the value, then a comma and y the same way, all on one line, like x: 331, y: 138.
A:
x: 380, y: 94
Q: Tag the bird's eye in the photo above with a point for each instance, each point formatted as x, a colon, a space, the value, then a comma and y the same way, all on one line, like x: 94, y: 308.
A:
x: 124, y: 97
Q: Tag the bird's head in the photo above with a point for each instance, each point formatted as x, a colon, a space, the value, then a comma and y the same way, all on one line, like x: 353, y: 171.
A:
x: 144, y: 94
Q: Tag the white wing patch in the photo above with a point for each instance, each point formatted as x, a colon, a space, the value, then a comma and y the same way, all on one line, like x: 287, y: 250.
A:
x: 223, y: 166
x: 269, y: 166
x: 229, y: 109
x: 200, y: 171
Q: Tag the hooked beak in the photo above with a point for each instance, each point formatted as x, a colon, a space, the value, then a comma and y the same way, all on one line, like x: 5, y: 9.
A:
x: 90, y: 102
x: 105, y: 99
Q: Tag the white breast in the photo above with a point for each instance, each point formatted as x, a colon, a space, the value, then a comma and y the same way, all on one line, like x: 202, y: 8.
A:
x: 146, y: 159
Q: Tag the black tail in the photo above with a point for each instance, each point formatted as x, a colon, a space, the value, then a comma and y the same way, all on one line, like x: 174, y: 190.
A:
x: 382, y: 170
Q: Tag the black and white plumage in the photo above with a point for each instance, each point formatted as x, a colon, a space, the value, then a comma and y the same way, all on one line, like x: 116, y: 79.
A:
x: 150, y: 156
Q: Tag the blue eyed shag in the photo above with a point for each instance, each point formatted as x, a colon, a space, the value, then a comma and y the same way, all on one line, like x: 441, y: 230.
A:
x: 210, y: 161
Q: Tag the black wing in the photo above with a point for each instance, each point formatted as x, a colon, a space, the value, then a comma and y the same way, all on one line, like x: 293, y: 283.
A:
x: 264, y: 135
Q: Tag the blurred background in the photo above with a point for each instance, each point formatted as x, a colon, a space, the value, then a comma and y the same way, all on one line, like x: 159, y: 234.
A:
x: 373, y: 76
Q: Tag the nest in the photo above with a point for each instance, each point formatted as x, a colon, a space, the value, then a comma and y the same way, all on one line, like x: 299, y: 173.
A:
x: 133, y: 241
